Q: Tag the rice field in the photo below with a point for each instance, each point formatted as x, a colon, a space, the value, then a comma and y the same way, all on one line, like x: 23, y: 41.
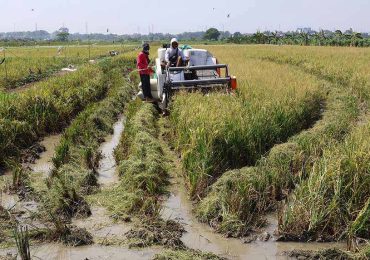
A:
x: 29, y: 64
x: 290, y: 144
x: 315, y: 176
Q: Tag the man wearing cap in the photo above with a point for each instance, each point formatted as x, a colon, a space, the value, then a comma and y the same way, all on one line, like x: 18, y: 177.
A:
x: 174, y: 57
x: 144, y: 69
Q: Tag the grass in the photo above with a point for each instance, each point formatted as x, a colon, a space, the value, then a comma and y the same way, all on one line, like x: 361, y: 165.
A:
x: 142, y: 168
x: 77, y: 156
x: 22, y: 240
x: 238, y: 201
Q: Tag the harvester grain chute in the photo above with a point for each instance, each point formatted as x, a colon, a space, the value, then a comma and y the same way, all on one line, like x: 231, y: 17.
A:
x: 202, y: 72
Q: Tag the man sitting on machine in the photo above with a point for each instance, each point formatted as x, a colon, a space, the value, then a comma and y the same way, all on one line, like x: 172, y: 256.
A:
x: 174, y: 57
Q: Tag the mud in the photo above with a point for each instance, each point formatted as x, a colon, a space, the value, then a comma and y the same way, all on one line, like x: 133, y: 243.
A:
x: 107, y: 166
x: 44, y: 163
x: 102, y: 227
x: 8, y: 201
x: 94, y: 252
x: 200, y: 236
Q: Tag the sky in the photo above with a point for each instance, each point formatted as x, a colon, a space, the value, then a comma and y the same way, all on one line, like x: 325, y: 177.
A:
x: 166, y: 16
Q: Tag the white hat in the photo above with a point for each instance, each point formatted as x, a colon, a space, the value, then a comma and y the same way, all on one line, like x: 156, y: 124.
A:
x: 174, y: 40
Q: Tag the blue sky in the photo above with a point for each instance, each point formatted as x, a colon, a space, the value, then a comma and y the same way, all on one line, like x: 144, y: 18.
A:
x: 124, y: 16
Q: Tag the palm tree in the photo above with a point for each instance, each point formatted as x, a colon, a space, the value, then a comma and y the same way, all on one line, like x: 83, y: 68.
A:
x: 322, y: 36
x: 317, y: 39
x: 304, y: 38
x: 338, y: 36
x: 275, y: 37
x: 355, y: 37
x: 259, y: 37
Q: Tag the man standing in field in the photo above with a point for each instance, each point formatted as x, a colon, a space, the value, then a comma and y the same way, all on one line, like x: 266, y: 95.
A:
x: 142, y: 64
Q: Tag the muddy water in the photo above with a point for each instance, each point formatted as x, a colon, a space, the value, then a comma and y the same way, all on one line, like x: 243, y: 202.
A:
x: 107, y: 168
x: 8, y: 201
x: 102, y: 227
x: 11, y: 202
x: 99, y: 224
x: 200, y: 236
x: 44, y: 164
x: 94, y: 252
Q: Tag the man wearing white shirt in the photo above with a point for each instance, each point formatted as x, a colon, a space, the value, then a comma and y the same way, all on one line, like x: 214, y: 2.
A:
x: 174, y: 57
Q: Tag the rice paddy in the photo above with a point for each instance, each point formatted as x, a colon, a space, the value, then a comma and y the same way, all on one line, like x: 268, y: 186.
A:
x: 30, y: 64
x: 292, y: 142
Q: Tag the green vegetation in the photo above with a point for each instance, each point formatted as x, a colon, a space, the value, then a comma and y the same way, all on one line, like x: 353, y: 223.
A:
x: 292, y: 140
x: 49, y: 108
x: 321, y: 38
x: 333, y: 201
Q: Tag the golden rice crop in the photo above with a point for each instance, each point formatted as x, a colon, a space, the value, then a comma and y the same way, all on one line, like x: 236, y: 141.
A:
x: 217, y: 132
x: 327, y: 165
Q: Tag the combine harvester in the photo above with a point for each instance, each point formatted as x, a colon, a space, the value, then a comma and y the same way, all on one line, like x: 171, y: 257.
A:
x: 201, y: 73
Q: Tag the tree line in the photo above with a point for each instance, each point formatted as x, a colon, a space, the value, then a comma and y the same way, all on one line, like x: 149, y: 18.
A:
x: 322, y: 38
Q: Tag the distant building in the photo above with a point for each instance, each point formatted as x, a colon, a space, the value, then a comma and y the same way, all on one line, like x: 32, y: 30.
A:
x: 350, y: 31
x: 304, y: 30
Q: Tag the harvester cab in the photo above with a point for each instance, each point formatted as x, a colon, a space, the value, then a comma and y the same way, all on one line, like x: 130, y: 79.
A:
x: 202, y: 72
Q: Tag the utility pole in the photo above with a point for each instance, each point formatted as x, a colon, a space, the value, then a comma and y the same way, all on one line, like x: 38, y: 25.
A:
x: 6, y: 69
x: 88, y: 38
